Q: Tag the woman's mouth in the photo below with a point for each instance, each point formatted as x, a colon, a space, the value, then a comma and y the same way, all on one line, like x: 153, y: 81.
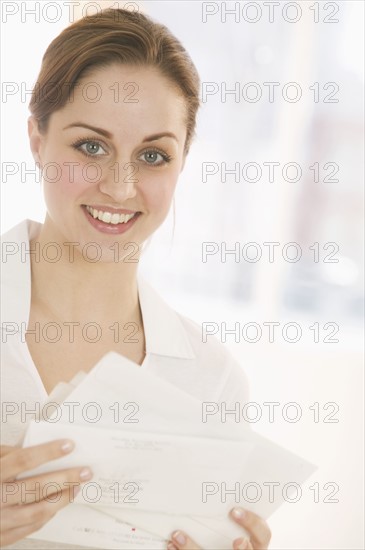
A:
x: 109, y: 217
x: 108, y: 221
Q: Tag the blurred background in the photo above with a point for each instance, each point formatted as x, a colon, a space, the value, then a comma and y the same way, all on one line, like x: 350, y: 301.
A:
x: 318, y: 206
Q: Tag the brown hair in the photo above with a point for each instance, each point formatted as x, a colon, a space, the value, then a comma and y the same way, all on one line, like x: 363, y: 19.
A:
x: 112, y: 35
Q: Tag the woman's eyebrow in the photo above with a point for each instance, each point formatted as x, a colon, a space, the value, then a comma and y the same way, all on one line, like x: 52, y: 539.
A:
x: 93, y: 128
x: 108, y: 135
x: 154, y: 137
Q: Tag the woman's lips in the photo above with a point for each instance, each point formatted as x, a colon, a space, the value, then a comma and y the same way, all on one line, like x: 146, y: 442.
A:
x: 111, y: 209
x: 110, y: 217
x: 122, y: 220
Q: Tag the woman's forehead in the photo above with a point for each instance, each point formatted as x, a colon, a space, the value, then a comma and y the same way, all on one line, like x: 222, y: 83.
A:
x: 119, y: 77
x: 120, y: 96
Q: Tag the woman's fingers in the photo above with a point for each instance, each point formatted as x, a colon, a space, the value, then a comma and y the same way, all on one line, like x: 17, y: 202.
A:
x: 28, y: 503
x: 18, y: 516
x: 242, y: 544
x: 257, y: 528
x: 258, y: 532
x: 19, y: 521
x: 9, y: 537
x: 5, y: 449
x: 38, y: 512
x: 21, y: 460
x: 181, y: 540
x: 36, y: 488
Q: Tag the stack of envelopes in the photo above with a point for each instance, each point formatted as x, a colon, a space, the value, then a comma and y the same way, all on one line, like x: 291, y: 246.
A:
x: 159, y: 462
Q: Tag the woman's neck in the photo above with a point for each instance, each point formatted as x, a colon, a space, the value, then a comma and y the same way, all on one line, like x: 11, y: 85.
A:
x: 79, y: 289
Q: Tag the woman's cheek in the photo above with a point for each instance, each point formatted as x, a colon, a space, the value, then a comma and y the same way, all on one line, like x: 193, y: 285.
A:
x: 68, y: 179
x: 159, y: 193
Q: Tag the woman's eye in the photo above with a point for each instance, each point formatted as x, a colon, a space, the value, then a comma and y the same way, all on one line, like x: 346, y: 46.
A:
x: 91, y: 148
x: 155, y: 158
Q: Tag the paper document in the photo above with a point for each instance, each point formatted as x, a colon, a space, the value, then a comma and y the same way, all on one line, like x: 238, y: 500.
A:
x: 158, y: 464
x: 160, y: 473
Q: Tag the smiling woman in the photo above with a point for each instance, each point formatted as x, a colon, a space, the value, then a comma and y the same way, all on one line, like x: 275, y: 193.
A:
x: 112, y: 120
x: 115, y: 158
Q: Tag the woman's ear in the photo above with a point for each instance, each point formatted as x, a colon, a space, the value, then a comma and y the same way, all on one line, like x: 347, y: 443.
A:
x: 35, y: 139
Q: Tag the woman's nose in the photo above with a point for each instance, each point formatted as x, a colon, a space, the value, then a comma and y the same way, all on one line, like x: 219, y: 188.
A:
x: 120, y: 180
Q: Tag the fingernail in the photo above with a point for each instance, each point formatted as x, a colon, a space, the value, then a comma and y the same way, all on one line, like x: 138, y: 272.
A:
x: 238, y: 513
x: 179, y: 537
x: 67, y: 446
x: 85, y: 474
x: 242, y: 545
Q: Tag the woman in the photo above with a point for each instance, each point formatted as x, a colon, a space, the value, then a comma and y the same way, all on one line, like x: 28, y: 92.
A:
x: 113, y: 116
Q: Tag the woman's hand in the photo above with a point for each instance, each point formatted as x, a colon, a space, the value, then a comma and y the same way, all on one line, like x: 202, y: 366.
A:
x: 257, y: 528
x: 26, y: 504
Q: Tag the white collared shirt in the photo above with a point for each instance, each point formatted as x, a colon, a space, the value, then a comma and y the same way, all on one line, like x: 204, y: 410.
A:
x: 174, y: 347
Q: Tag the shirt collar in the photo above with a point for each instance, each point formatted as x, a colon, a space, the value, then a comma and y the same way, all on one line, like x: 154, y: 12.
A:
x: 164, y: 331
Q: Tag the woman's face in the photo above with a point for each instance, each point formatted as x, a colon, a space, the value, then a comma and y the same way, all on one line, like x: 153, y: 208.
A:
x: 111, y: 158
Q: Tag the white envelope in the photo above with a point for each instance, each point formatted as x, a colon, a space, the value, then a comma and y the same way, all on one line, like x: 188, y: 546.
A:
x: 134, y: 399
x: 161, y: 408
x: 80, y: 525
x: 155, y: 472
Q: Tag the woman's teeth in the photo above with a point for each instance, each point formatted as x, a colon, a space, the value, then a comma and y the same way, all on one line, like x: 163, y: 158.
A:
x: 108, y: 217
